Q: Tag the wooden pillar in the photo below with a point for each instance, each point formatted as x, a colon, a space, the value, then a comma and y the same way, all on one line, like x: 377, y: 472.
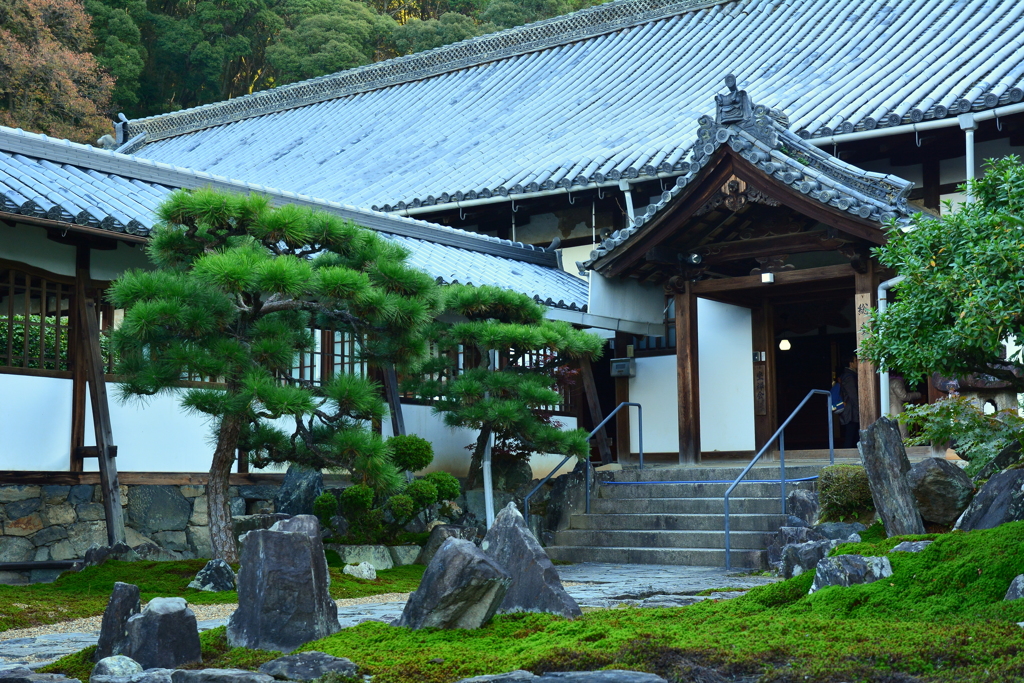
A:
x: 594, y: 405
x: 394, y: 400
x: 930, y: 181
x: 865, y: 286
x: 622, y: 449
x: 76, y: 358
x: 765, y: 405
x: 687, y: 376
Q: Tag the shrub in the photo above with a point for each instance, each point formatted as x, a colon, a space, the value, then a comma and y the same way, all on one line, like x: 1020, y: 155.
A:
x: 422, y: 493
x: 325, y: 507
x: 356, y: 500
x: 402, y: 508
x: 448, y: 487
x: 410, y: 452
x: 844, y: 493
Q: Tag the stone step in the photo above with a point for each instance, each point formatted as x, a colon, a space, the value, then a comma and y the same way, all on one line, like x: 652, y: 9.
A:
x: 709, y: 473
x: 745, y: 490
x: 686, y: 506
x: 757, y: 540
x: 696, y: 557
x: 670, y: 522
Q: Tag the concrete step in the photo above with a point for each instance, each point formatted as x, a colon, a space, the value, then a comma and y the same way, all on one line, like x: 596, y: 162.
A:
x: 670, y: 522
x: 709, y: 473
x: 632, y: 538
x: 744, y: 490
x: 697, y: 557
x: 686, y: 506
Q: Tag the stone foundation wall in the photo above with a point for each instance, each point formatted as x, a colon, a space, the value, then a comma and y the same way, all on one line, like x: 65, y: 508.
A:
x: 61, y: 522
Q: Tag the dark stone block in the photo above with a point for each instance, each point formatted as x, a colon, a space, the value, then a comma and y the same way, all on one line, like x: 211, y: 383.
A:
x: 123, y: 604
x: 1016, y: 589
x: 158, y: 508
x: 16, y: 549
x: 300, y: 488
x: 462, y: 588
x: 164, y: 635
x: 1004, y: 459
x: 910, y: 546
x: 790, y: 535
x: 50, y: 534
x: 941, y: 489
x: 440, y: 534
x: 803, y: 557
x: 219, y: 676
x: 22, y: 508
x: 258, y: 492
x: 82, y: 493
x: 307, y: 666
x: 839, y: 531
x: 794, y: 521
x: 804, y: 505
x: 886, y: 464
x: 536, y: 586
x: 54, y: 495
x: 999, y: 501
x: 215, y: 577
x: 26, y: 675
x: 847, y: 570
x: 90, y: 512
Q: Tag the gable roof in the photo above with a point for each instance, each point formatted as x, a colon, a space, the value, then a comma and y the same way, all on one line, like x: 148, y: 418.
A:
x: 81, y: 186
x: 605, y: 93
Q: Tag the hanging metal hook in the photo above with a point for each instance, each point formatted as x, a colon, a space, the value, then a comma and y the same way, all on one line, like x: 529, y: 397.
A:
x: 999, y: 125
x: 917, y: 137
x: 661, y: 181
x: 462, y: 216
x: 835, y: 150
x: 600, y: 192
x: 514, y: 209
x: 571, y: 200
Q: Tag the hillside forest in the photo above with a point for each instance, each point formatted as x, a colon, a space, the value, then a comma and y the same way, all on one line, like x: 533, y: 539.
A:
x: 69, y: 67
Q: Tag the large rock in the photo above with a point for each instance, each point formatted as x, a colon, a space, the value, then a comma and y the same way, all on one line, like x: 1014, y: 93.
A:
x: 363, y: 570
x: 1004, y: 459
x: 402, y: 555
x: 999, y: 501
x: 122, y: 605
x: 885, y: 461
x: 910, y: 546
x: 941, y: 489
x: 461, y: 588
x: 283, y: 589
x: 847, y: 570
x: 243, y: 524
x: 441, y: 533
x: 1016, y: 589
x: 219, y: 676
x: 164, y: 635
x: 789, y: 535
x: 300, y: 488
x: 803, y: 557
x: 215, y: 577
x: 536, y: 586
x: 376, y: 555
x: 158, y: 508
x: 840, y: 531
x: 117, y: 665
x: 606, y: 676
x: 15, y: 549
x: 308, y: 666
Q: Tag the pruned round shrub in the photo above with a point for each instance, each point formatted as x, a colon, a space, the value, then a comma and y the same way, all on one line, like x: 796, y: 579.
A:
x: 410, y: 452
x: 844, y: 493
x: 325, y: 507
x: 448, y: 487
x: 401, y: 507
x: 356, y: 499
x: 422, y: 492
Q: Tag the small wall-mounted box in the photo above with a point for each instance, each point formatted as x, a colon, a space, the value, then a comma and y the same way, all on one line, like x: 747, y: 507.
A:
x: 623, y: 367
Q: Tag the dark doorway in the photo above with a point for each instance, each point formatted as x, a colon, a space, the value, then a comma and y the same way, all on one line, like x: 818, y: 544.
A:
x: 820, y: 336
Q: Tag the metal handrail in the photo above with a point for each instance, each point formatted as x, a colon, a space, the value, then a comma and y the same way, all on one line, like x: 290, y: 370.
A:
x: 779, y: 434
x: 587, y: 477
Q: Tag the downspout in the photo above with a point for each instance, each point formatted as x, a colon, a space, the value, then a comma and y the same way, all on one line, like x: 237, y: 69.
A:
x: 883, y: 288
x: 628, y: 193
x: 969, y: 125
x: 492, y: 366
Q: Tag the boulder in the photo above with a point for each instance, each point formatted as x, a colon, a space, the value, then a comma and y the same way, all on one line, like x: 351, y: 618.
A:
x: 461, y: 588
x: 300, y: 488
x: 117, y: 665
x: 158, y: 508
x: 215, y: 577
x: 607, y: 676
x: 441, y: 533
x: 307, y: 666
x: 1016, y: 589
x: 21, y: 674
x: 790, y: 535
x: 243, y: 524
x: 999, y: 501
x: 283, y: 589
x: 122, y: 605
x: 886, y: 464
x: 219, y: 676
x: 536, y: 586
x: 802, y: 557
x: 803, y: 504
x: 15, y: 549
x: 164, y: 635
x: 402, y: 555
x: 910, y: 546
x: 840, y: 531
x: 847, y: 570
x: 376, y: 555
x: 363, y: 570
x: 793, y: 520
x: 1004, y: 459
x: 941, y: 489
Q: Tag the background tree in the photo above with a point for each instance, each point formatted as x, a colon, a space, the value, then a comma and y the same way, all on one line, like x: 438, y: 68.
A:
x: 237, y: 286
x: 963, y: 296
x: 511, y: 399
x: 118, y: 46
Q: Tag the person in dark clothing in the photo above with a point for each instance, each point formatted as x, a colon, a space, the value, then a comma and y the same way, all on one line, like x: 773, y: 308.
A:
x: 849, y: 416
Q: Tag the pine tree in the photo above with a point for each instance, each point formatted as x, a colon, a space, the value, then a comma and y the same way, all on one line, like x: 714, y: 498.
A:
x: 237, y: 286
x: 513, y: 397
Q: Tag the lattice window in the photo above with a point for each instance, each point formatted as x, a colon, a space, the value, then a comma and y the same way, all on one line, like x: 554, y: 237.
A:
x: 333, y: 352
x: 35, y: 315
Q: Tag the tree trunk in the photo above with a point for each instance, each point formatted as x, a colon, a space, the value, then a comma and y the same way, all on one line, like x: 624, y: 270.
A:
x: 476, y: 464
x: 222, y: 535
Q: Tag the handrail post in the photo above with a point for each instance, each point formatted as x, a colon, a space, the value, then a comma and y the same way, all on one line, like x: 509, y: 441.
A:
x: 640, y: 431
x: 831, y: 434
x: 586, y: 485
x: 728, y: 564
x: 782, y: 468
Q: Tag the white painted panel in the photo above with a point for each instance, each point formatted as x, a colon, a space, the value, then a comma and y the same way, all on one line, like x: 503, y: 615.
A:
x: 28, y: 244
x: 724, y: 347
x: 626, y: 299
x: 110, y: 264
x: 655, y: 388
x: 35, y: 423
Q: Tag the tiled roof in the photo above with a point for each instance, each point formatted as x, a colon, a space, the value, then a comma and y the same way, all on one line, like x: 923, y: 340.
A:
x: 606, y: 93
x: 79, y: 185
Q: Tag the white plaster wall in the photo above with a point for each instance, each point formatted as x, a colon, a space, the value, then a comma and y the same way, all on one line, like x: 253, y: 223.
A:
x: 724, y: 343
x: 626, y: 299
x: 111, y: 264
x: 28, y: 244
x: 35, y: 423
x: 655, y: 388
x: 570, y: 255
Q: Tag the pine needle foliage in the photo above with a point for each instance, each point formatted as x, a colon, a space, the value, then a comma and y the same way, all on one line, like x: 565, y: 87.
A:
x: 513, y: 399
x: 237, y: 287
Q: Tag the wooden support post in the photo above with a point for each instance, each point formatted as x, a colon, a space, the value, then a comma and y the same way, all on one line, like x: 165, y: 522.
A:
x: 594, y: 404
x: 93, y: 359
x: 76, y: 358
x: 765, y: 406
x: 687, y: 376
x: 931, y: 182
x: 623, y: 451
x: 867, y: 379
x: 394, y: 400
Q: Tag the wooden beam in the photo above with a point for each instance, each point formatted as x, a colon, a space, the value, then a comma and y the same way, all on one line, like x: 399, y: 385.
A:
x: 594, y: 405
x: 623, y: 451
x: 76, y: 357
x: 865, y: 285
x: 32, y: 477
x: 799, y: 243
x: 687, y: 376
x: 785, y: 277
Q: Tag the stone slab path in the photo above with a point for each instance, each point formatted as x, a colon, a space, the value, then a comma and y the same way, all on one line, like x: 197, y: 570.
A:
x: 592, y: 585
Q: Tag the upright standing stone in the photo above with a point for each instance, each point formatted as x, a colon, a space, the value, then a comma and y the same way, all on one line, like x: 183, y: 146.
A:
x: 999, y: 501
x: 441, y: 533
x: 284, y: 599
x: 123, y: 604
x: 885, y: 461
x: 299, y: 489
x: 536, y: 586
x: 164, y: 635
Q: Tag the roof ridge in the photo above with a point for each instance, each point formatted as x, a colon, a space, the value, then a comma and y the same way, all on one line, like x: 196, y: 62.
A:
x: 18, y: 141
x: 540, y: 35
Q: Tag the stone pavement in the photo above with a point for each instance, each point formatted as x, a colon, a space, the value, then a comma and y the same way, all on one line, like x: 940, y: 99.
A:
x: 599, y: 585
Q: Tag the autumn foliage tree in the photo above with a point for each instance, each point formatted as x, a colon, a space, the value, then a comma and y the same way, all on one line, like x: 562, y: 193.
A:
x: 49, y: 81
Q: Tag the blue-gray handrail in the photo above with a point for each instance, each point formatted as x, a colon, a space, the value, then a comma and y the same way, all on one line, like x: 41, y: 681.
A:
x: 779, y: 434
x: 587, y: 477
